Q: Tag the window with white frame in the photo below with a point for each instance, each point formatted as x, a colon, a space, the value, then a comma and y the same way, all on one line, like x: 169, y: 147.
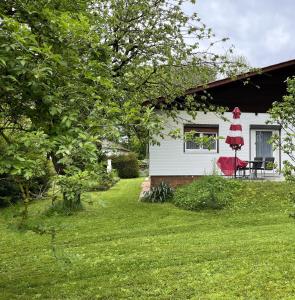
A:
x: 201, y: 138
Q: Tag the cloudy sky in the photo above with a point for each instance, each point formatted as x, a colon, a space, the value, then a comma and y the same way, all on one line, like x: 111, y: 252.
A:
x: 261, y: 30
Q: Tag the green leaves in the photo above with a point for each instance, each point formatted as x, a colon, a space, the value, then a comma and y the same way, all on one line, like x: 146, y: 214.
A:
x: 283, y: 114
x: 79, y: 72
x: 25, y: 155
x: 159, y: 194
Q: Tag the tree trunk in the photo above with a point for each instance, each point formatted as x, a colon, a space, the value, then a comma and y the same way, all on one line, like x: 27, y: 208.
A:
x: 26, y: 199
x: 59, y: 168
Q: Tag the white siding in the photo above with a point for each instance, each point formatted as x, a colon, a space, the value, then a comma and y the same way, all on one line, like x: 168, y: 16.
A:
x: 169, y: 157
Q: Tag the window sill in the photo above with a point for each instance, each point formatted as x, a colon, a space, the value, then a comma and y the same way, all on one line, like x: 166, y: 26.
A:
x: 200, y: 152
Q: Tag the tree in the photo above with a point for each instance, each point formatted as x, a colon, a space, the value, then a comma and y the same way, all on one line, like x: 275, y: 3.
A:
x: 151, y: 59
x: 241, y: 66
x: 283, y: 113
x: 79, y: 72
x: 53, y: 73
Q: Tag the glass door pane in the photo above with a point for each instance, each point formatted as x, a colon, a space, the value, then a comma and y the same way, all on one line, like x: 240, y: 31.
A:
x: 263, y: 148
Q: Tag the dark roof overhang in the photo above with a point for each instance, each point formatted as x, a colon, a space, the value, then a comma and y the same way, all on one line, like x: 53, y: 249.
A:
x: 253, y: 91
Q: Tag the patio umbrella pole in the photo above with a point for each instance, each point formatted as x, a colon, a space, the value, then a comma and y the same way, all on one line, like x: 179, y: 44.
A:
x: 235, y: 163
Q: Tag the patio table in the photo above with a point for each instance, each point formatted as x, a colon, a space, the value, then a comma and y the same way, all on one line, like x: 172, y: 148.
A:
x: 251, y: 168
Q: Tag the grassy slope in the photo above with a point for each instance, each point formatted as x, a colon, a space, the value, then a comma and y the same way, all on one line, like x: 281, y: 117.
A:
x: 121, y: 248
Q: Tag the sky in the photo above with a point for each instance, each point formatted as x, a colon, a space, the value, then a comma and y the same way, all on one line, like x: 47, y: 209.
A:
x: 263, y: 31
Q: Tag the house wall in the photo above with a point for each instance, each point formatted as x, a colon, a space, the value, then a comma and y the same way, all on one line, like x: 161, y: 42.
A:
x: 170, y: 159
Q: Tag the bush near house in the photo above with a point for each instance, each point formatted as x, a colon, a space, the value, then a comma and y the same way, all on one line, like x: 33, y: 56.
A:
x: 160, y: 193
x: 126, y: 165
x: 209, y: 192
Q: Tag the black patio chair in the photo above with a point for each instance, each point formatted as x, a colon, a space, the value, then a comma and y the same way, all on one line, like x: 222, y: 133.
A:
x: 257, y: 165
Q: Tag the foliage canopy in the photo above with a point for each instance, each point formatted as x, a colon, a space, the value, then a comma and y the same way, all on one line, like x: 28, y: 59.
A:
x: 283, y: 113
x: 75, y: 73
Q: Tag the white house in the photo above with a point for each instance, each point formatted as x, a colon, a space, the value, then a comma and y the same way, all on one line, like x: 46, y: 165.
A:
x: 178, y: 161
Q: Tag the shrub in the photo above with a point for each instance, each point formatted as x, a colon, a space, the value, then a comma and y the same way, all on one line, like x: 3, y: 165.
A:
x: 143, y: 168
x: 160, y: 193
x: 126, y: 165
x: 105, y: 182
x: 23, y: 165
x: 41, y: 184
x: 10, y: 192
x: 59, y: 208
x: 209, y: 192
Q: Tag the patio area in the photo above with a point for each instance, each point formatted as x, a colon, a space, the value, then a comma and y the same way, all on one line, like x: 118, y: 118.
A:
x: 259, y: 176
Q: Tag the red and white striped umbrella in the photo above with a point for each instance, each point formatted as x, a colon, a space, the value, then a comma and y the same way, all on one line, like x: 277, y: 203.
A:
x: 235, y: 138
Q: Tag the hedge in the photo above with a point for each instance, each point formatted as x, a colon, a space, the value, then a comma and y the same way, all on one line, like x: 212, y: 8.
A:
x: 126, y: 165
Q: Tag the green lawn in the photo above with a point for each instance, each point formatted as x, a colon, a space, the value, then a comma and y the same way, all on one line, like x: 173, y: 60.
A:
x: 120, y: 248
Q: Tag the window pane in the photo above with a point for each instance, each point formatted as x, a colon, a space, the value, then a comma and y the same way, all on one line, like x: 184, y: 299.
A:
x: 212, y: 144
x: 192, y: 144
x: 263, y: 148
